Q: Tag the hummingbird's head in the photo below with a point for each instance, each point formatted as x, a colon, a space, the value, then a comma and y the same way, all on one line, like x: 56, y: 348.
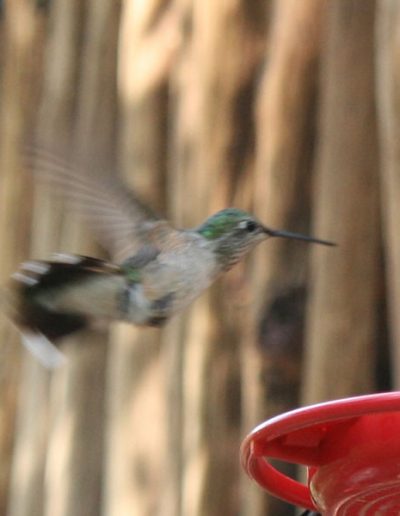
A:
x: 233, y: 233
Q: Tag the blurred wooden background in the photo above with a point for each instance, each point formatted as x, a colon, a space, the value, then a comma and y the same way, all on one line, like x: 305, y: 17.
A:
x: 289, y: 109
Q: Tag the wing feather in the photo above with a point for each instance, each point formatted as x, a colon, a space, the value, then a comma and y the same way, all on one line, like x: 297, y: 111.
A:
x: 120, y: 221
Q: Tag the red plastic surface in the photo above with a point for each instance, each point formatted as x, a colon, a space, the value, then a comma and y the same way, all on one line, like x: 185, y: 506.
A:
x: 352, y: 449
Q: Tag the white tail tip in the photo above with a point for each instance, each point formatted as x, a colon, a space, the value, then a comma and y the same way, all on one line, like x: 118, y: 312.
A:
x: 42, y: 349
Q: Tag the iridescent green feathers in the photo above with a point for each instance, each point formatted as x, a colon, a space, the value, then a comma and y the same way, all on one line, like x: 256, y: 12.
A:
x: 222, y: 223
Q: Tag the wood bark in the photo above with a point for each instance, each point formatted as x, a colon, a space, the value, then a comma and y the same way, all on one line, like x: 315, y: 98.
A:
x: 341, y: 328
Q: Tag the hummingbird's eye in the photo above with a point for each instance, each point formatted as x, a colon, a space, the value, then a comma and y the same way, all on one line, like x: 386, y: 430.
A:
x: 248, y: 225
x: 251, y: 226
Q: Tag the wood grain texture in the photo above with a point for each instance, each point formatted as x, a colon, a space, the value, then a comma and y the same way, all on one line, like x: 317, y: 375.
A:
x: 136, y: 446
x: 387, y: 83
x: 20, y: 79
x: 287, y: 109
x: 341, y: 329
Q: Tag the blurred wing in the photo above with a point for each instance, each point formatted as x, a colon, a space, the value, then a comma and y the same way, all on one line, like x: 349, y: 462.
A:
x: 120, y: 221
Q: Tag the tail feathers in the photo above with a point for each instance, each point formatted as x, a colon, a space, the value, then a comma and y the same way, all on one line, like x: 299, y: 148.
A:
x: 42, y: 349
x: 52, y: 325
x: 37, y: 283
x: 63, y: 269
x: 28, y: 302
x: 38, y: 324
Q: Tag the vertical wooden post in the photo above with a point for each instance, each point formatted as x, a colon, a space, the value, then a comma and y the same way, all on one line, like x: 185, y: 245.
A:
x: 21, y: 32
x: 210, y: 166
x: 53, y: 119
x: 74, y: 473
x: 387, y: 85
x: 135, y: 446
x: 285, y: 108
x: 341, y: 327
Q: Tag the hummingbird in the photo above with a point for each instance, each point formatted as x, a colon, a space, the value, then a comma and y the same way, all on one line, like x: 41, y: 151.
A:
x: 156, y: 270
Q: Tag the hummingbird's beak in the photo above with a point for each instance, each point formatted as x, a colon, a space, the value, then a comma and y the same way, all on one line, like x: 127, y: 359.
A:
x: 296, y: 236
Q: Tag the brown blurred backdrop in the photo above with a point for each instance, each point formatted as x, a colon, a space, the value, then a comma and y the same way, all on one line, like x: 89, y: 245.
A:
x: 288, y: 108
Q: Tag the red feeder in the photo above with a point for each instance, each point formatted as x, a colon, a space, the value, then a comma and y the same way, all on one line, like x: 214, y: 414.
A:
x: 351, y: 448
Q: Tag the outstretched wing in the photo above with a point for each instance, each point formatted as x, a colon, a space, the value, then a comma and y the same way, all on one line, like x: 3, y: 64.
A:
x: 120, y: 221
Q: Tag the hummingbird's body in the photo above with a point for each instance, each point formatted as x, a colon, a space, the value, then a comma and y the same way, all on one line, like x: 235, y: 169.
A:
x: 148, y: 288
x: 144, y: 290
x: 158, y: 270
